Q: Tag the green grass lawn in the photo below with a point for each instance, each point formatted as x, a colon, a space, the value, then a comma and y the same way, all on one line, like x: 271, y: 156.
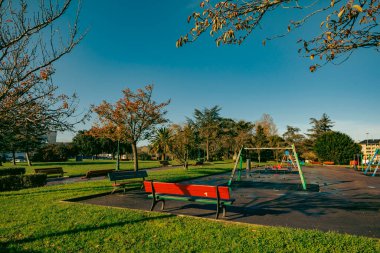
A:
x: 36, y: 220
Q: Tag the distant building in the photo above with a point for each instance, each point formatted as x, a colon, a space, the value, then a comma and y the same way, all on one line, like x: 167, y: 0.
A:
x: 369, y: 147
x: 52, y: 137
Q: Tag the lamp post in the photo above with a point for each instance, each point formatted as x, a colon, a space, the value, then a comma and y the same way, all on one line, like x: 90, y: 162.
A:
x: 118, y: 155
x: 118, y: 150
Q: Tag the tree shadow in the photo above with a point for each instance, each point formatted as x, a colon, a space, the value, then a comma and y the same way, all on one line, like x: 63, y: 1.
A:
x: 85, y: 229
x: 274, y: 186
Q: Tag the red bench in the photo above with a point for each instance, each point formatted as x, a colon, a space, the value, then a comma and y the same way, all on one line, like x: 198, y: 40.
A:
x: 208, y: 194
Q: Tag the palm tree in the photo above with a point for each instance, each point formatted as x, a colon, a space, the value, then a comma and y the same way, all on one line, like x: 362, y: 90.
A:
x: 160, y: 142
x: 207, y: 121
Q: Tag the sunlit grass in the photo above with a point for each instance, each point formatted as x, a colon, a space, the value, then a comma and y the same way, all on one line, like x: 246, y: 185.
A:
x: 36, y: 220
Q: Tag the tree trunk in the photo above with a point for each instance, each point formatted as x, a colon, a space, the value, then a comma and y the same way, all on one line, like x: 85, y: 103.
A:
x: 135, y: 157
x: 163, y: 157
x: 14, y: 157
x: 259, y: 157
x: 207, y: 151
x: 186, y: 164
x: 28, y: 158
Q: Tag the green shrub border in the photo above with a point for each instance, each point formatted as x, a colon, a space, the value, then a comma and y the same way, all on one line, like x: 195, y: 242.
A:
x: 17, y: 182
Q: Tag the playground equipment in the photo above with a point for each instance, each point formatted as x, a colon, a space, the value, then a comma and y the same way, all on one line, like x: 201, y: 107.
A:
x: 358, y: 160
x: 372, y: 161
x: 291, y: 158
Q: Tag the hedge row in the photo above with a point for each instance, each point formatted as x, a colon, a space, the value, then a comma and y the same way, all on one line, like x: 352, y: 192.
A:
x: 16, y: 182
x: 12, y: 171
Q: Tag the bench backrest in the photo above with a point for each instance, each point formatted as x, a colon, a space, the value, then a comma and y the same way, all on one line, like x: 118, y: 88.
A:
x: 49, y: 170
x: 121, y: 175
x: 204, y: 191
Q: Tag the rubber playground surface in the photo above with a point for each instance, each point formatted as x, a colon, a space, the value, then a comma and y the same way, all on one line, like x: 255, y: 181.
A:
x: 338, y: 199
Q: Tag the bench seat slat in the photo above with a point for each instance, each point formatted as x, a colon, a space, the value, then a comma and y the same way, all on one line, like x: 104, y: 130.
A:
x: 205, y: 191
x: 122, y: 175
x: 228, y: 202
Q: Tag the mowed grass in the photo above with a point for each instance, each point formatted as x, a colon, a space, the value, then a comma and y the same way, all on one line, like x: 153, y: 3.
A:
x: 36, y: 220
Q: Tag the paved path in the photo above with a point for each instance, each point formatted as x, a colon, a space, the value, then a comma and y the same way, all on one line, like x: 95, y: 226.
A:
x: 69, y: 180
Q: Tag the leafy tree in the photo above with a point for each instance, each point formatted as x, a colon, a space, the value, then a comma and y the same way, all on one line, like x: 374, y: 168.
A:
x: 182, y: 141
x: 52, y: 153
x: 161, y: 141
x: 320, y: 126
x: 30, y: 44
x: 293, y: 135
x: 260, y: 140
x: 276, y: 141
x: 131, y: 119
x: 86, y: 144
x: 335, y: 146
x: 207, y: 122
x: 345, y: 26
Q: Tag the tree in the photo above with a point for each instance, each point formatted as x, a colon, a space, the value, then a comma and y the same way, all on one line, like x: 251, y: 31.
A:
x: 259, y: 140
x: 86, y: 144
x: 344, y: 28
x: 28, y: 48
x: 319, y: 127
x: 293, y: 136
x: 131, y: 119
x: 207, y: 123
x: 30, y: 44
x: 267, y: 123
x: 161, y: 141
x: 337, y: 147
x: 182, y: 141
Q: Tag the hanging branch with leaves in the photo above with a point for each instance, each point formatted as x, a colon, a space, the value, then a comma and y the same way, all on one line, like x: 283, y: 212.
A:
x: 347, y: 26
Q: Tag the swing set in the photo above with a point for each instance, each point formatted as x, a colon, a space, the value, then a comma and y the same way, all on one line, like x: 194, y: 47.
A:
x: 290, y: 157
x: 373, y: 162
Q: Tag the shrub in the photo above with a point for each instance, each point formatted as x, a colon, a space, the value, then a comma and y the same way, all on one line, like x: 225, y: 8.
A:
x: 11, y: 182
x: 34, y: 180
x: 11, y: 171
x: 337, y: 147
x: 51, y: 153
x: 16, y: 182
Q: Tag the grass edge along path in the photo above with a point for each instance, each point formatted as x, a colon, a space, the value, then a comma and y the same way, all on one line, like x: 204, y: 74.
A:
x: 35, y: 220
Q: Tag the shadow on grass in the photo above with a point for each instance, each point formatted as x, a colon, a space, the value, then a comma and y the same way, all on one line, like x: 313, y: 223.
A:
x: 84, y: 229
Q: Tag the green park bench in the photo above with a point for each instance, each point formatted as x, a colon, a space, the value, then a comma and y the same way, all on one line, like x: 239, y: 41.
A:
x: 119, y: 178
x: 207, y: 194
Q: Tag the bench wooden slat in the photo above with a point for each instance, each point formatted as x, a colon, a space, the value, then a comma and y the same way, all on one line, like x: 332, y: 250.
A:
x: 218, y: 195
x: 49, y: 171
x: 205, y: 191
x: 122, y: 175
x: 193, y: 199
x: 125, y: 175
x: 92, y: 173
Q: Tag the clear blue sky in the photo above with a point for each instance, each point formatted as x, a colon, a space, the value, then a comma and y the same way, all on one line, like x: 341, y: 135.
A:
x: 132, y: 43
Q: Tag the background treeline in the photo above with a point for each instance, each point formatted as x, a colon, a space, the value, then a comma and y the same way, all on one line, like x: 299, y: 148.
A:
x: 207, y: 136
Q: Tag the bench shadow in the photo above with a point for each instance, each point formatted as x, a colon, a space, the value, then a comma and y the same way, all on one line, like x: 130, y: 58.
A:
x: 85, y: 229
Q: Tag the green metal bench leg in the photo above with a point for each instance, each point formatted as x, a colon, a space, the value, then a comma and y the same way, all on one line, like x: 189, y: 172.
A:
x: 217, y: 211
x: 153, y: 204
x: 224, y: 210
